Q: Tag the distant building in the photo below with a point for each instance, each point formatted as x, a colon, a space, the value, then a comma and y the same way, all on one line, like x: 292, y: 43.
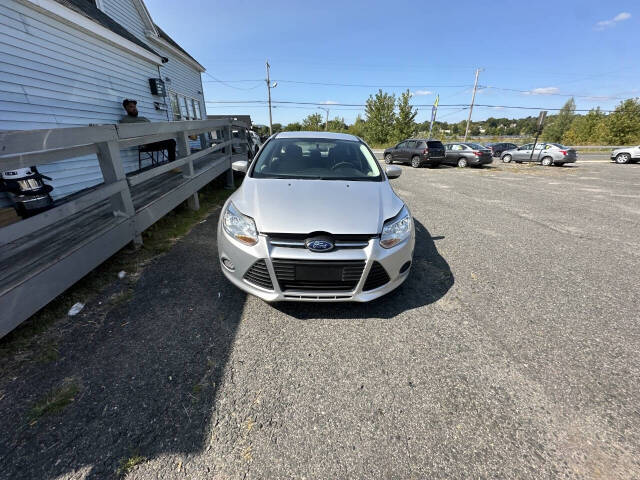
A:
x: 71, y: 63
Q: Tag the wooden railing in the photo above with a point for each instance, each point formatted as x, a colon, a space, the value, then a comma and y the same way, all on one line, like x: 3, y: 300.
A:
x: 23, y: 293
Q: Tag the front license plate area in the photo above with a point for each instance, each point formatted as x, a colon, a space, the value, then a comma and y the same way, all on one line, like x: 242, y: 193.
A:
x: 318, y: 273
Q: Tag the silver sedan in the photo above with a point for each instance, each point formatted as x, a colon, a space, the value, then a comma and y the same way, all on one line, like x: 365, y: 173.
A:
x: 626, y: 154
x: 544, y: 153
x: 316, y: 219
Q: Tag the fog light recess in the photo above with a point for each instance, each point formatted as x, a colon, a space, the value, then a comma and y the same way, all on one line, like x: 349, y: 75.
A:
x: 228, y: 264
x: 405, y: 267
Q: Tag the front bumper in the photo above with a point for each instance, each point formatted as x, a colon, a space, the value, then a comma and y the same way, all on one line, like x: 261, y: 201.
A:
x: 243, y: 258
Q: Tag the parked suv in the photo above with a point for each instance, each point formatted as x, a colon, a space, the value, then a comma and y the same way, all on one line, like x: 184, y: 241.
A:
x: 498, y: 148
x: 626, y: 154
x: 418, y: 151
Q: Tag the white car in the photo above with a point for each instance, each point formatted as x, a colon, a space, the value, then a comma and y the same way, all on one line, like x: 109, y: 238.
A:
x: 316, y: 220
x: 626, y: 154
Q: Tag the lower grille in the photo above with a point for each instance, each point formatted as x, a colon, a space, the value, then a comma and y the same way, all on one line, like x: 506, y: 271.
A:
x: 258, y: 275
x: 316, y: 275
x: 377, y: 277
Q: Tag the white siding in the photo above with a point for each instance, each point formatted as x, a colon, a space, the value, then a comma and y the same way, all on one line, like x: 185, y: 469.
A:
x: 52, y: 75
x: 126, y: 14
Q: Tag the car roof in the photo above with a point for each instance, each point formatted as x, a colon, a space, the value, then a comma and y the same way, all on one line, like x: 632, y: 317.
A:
x: 325, y: 135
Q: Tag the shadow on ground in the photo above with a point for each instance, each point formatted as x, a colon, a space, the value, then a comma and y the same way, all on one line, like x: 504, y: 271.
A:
x: 430, y: 279
x: 147, y: 372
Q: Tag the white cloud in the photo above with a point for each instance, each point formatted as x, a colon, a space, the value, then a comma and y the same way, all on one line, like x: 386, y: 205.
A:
x: 329, y: 102
x: 422, y: 92
x: 612, y: 23
x: 542, y: 91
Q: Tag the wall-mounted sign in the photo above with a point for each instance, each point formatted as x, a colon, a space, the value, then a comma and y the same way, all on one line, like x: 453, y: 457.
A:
x: 157, y: 87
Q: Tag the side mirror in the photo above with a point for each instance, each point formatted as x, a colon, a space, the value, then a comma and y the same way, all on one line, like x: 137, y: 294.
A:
x: 240, y: 166
x: 393, y: 171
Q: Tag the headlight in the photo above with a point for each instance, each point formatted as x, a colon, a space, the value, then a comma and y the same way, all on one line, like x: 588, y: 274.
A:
x: 239, y: 226
x: 397, y: 229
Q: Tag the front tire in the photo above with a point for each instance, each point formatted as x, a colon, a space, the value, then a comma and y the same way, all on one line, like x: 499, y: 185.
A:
x: 623, y: 158
x: 506, y: 159
x: 388, y: 159
x: 547, y: 161
x: 415, y: 162
x: 462, y: 162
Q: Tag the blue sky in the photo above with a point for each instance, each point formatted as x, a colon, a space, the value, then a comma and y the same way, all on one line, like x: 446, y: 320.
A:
x: 547, y: 49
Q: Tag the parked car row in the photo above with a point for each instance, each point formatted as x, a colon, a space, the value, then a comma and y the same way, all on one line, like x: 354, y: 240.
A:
x: 431, y: 152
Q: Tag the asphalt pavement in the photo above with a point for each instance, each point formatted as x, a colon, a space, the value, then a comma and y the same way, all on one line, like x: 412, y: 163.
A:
x: 512, y: 351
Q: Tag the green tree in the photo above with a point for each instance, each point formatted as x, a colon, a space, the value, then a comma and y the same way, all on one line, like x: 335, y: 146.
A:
x: 293, y: 127
x: 358, y: 128
x: 585, y: 129
x: 622, y: 127
x: 380, y: 117
x: 313, y: 123
x: 405, y: 124
x: 276, y: 127
x: 559, y: 124
x: 337, y: 125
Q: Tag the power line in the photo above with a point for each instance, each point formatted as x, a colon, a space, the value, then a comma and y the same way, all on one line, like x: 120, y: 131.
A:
x: 421, y: 105
x: 228, y: 84
x: 331, y: 84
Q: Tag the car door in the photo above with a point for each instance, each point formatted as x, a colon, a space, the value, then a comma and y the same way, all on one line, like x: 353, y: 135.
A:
x: 411, y: 149
x: 522, y: 153
x: 399, y: 152
x: 635, y: 153
x: 452, y: 153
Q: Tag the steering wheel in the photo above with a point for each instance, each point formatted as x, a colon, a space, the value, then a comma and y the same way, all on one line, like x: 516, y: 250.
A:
x: 342, y: 165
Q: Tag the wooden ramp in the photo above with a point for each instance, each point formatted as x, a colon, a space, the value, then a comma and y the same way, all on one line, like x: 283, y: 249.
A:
x: 42, y: 256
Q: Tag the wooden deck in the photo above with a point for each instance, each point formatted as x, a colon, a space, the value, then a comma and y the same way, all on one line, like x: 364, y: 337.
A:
x: 50, y: 256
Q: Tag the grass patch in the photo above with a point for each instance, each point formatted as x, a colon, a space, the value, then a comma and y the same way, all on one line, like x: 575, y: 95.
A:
x: 157, y: 239
x: 127, y: 464
x: 55, y: 400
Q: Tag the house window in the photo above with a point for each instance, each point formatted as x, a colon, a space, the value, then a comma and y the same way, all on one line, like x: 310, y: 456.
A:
x: 184, y: 111
x: 196, y: 109
x: 185, y: 108
x: 175, y: 107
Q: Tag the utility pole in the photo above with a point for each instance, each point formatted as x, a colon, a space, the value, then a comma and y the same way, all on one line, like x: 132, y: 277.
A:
x: 326, y: 124
x: 269, y: 87
x: 473, y: 99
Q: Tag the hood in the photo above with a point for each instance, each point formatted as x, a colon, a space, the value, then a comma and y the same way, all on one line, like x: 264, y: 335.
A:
x: 305, y: 206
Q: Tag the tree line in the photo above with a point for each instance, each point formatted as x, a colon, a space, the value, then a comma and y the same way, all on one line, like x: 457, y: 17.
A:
x: 389, y: 119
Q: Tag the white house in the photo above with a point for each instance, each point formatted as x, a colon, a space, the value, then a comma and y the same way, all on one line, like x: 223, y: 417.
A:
x: 67, y: 63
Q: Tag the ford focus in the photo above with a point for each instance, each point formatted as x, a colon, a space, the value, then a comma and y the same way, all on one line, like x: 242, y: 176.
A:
x: 316, y: 219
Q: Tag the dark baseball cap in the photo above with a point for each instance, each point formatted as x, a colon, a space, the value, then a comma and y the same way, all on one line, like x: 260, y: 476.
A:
x: 127, y: 101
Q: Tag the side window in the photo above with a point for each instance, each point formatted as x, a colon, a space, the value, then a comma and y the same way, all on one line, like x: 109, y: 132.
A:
x: 421, y: 145
x: 175, y: 107
x: 402, y: 145
x: 456, y: 147
x: 411, y: 145
x: 184, y: 111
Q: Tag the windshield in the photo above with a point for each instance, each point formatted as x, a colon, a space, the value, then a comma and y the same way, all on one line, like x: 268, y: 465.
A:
x: 316, y: 159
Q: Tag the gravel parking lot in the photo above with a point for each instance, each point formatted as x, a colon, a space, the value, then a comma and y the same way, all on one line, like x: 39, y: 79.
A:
x: 513, y: 351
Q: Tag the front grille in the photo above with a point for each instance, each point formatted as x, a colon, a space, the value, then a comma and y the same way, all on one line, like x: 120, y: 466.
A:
x: 377, y: 277
x: 340, y: 241
x: 306, y: 275
x: 258, y: 275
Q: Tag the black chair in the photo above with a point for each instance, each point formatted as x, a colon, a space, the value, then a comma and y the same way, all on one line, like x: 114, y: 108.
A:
x: 151, y: 152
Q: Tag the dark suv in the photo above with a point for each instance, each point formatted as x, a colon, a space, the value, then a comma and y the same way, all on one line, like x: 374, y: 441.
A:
x: 497, y: 149
x: 418, y: 151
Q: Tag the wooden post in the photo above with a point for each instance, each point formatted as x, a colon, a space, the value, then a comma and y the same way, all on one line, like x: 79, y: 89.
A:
x: 229, y: 178
x: 187, y: 170
x: 113, y: 171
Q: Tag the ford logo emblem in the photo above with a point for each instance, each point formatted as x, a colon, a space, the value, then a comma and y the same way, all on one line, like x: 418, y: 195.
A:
x: 319, y: 244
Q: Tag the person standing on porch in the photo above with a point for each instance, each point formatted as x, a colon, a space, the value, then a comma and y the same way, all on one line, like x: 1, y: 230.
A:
x: 131, y: 107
